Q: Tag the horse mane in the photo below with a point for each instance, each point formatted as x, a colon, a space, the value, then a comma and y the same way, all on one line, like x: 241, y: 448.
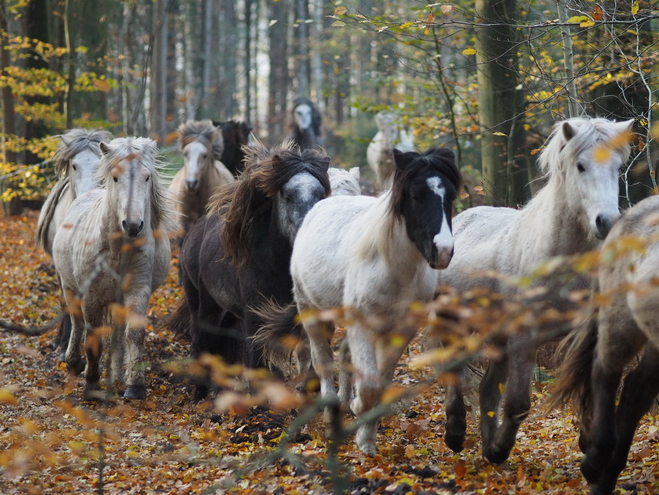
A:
x: 203, y: 131
x: 146, y: 152
x: 252, y: 194
x: 316, y: 116
x: 388, y: 213
x: 588, y: 133
x: 75, y: 141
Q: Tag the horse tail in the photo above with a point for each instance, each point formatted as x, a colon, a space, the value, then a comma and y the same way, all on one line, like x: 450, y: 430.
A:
x: 574, y: 382
x: 48, y: 211
x: 279, y: 333
x: 179, y: 321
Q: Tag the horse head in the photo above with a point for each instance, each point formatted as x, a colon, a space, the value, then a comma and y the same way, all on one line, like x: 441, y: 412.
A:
x: 590, y: 154
x: 201, y: 143
x: 130, y: 168
x: 425, y: 187
x: 308, y: 184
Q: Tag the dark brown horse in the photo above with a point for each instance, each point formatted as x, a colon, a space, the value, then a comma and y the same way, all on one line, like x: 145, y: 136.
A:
x: 235, y: 136
x: 599, y: 351
x: 237, y: 257
x: 306, y: 124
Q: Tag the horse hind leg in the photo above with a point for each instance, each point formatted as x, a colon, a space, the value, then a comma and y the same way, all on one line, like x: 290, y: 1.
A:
x: 640, y: 388
x: 94, y: 351
x: 456, y: 414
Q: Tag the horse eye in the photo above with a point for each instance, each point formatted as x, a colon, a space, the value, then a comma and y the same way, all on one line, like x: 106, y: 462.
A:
x: 580, y: 167
x: 115, y: 179
x: 74, y: 167
x: 147, y: 178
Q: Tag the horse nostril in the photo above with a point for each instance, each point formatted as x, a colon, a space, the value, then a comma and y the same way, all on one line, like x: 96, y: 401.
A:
x: 603, y: 225
x: 124, y: 225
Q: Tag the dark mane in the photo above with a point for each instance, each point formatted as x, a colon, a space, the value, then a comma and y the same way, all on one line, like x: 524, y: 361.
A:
x: 235, y: 136
x: 75, y: 141
x: 252, y: 195
x: 440, y: 160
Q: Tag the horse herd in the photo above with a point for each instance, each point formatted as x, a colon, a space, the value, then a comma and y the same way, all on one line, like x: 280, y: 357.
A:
x: 271, y: 233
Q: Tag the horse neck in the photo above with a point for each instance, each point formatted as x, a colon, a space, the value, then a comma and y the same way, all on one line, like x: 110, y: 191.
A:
x: 385, y: 237
x: 211, y: 180
x: 305, y: 139
x: 267, y: 243
x: 548, y: 219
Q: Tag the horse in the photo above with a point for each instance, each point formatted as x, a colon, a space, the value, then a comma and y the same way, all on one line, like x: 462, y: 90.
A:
x: 379, y: 153
x: 237, y: 257
x: 202, y: 174
x: 571, y: 214
x: 236, y: 136
x: 115, y: 240
x: 344, y: 182
x: 76, y: 161
x: 306, y: 124
x: 373, y: 257
x: 599, y: 350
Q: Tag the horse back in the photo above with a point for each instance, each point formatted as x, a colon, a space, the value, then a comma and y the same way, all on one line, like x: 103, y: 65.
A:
x: 53, y: 212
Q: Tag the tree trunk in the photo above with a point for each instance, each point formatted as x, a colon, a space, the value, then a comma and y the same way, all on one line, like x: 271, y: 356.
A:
x: 302, y: 13
x: 228, y: 47
x: 158, y: 102
x: 248, y: 59
x: 279, y: 80
x: 6, y: 97
x: 500, y: 102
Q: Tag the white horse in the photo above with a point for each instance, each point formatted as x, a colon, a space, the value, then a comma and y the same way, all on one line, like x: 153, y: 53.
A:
x: 569, y: 215
x: 202, y: 174
x: 344, y: 182
x: 373, y: 256
x: 115, y: 240
x: 380, y: 151
x: 76, y: 161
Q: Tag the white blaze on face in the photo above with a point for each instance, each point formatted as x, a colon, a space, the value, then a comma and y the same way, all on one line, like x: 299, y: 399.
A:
x: 444, y: 239
x: 303, y: 116
x: 297, y: 198
x: 195, y: 156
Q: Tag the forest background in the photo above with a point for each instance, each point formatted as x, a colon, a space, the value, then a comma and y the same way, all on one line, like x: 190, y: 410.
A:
x: 488, y: 77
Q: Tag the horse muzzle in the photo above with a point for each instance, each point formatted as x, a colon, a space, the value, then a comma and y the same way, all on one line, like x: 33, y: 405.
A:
x: 132, y: 229
x: 192, y: 185
x: 603, y: 225
x: 442, y: 259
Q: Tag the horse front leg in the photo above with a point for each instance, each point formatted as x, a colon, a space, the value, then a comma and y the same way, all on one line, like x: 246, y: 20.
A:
x: 94, y: 350
x: 517, y: 398
x: 322, y: 358
x: 73, y: 351
x: 456, y: 414
x: 489, y: 396
x: 135, y: 373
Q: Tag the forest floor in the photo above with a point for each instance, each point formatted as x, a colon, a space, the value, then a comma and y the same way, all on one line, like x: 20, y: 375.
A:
x: 53, y: 442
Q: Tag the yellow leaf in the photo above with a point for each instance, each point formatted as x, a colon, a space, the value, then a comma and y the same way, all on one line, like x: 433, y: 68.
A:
x: 587, y: 23
x: 102, y: 84
x: 7, y: 397
x: 578, y: 19
x: 338, y: 24
x: 601, y: 154
x: 340, y: 10
x: 499, y: 134
x: 491, y: 414
x: 469, y: 51
x: 406, y: 25
x: 635, y: 8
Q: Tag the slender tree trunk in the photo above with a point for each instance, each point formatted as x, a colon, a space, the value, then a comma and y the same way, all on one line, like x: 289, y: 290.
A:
x: 316, y: 53
x: 229, y: 48
x: 302, y: 13
x: 70, y: 61
x: 248, y: 59
x: 499, y: 102
x: 6, y: 97
x: 278, y: 80
x: 158, y: 102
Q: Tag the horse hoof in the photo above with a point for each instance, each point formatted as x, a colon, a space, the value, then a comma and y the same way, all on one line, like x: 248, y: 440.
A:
x: 589, y: 471
x: 76, y: 368
x: 137, y: 392
x: 93, y: 393
x: 496, y: 455
x: 454, y: 441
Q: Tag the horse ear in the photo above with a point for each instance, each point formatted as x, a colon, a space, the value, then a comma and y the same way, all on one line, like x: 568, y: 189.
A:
x: 568, y: 131
x: 354, y: 172
x: 625, y: 126
x: 104, y: 147
x: 403, y: 159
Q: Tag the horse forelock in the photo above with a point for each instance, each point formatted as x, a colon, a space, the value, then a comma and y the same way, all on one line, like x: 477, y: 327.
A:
x: 75, y: 141
x: 590, y: 132
x: 204, y: 132
x: 123, y: 151
x: 254, y: 192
